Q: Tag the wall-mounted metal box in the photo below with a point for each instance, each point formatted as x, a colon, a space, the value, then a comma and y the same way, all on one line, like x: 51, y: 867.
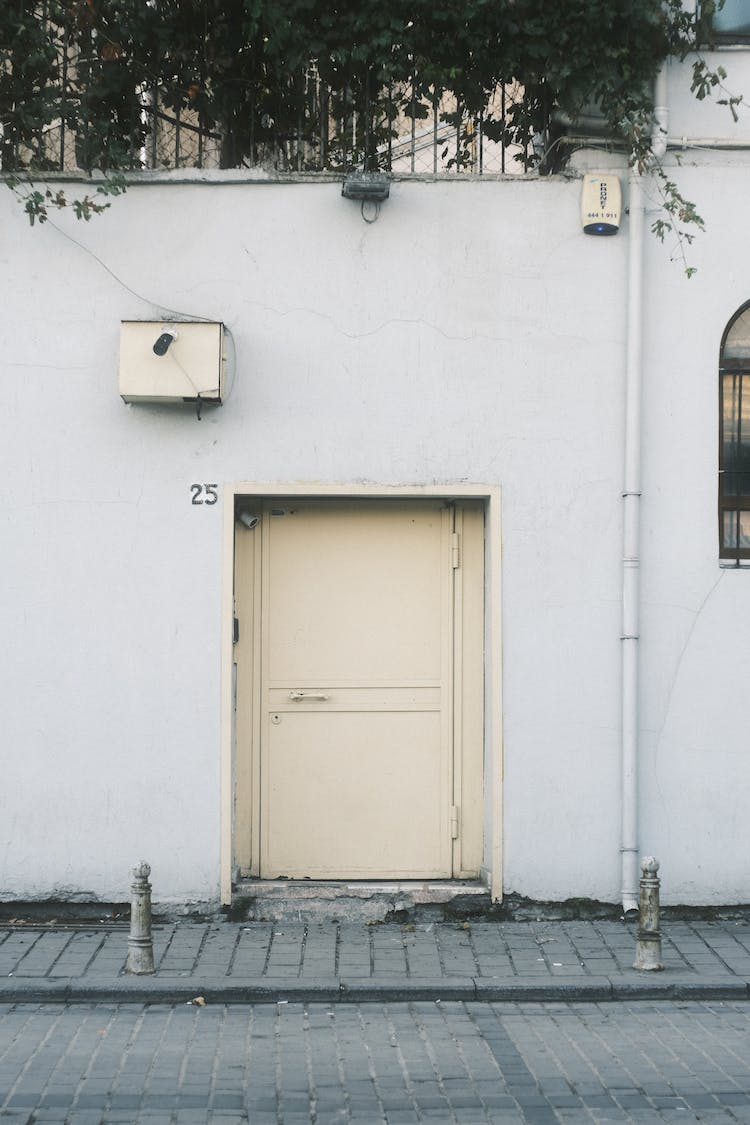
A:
x: 162, y: 361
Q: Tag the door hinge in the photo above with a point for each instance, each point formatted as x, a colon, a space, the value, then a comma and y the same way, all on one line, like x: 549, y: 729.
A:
x: 454, y: 822
x: 455, y: 550
x: 235, y: 630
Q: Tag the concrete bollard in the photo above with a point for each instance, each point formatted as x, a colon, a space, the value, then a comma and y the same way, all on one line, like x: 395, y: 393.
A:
x: 140, y: 943
x: 648, y: 945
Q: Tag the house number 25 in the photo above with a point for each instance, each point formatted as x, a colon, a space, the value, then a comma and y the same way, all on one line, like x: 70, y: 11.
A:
x: 204, y: 493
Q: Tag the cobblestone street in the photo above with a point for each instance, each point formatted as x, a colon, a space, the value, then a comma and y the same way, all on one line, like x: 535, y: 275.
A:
x: 395, y: 1063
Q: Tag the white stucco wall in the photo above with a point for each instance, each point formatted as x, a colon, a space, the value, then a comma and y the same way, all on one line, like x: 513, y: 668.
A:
x: 695, y: 775
x: 472, y: 333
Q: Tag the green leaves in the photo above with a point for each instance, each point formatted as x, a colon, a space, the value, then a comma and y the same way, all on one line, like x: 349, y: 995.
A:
x: 37, y: 204
x: 80, y: 80
x: 238, y: 62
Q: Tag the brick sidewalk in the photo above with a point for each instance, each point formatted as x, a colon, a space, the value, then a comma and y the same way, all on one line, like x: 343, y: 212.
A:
x: 257, y: 961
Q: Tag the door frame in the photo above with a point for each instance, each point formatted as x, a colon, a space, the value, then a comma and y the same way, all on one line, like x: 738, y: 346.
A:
x: 492, y: 753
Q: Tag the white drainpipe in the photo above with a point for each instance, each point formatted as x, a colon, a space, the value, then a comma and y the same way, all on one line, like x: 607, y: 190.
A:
x: 631, y: 494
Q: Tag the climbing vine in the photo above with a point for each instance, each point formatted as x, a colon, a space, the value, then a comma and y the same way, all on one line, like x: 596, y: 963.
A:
x: 97, y: 75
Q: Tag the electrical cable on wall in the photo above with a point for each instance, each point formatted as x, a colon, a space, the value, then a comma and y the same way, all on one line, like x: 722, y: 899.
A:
x: 184, y: 317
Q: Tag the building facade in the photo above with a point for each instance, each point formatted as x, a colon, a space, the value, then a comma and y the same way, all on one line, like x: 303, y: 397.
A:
x: 364, y: 619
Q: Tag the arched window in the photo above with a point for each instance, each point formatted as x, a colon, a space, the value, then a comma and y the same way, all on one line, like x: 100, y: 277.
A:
x: 734, y: 438
x: 731, y: 22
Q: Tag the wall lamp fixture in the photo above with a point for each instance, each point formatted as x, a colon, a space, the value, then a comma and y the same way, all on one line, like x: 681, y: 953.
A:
x: 373, y: 187
x: 368, y: 188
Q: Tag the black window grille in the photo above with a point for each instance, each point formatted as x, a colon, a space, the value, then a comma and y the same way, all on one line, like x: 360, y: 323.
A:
x: 734, y: 439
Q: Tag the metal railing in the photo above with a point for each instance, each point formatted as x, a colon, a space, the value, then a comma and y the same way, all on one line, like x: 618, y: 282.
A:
x: 399, y: 132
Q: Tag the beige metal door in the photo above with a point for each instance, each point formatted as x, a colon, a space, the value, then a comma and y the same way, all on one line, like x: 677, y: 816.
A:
x: 358, y: 664
x: 356, y: 703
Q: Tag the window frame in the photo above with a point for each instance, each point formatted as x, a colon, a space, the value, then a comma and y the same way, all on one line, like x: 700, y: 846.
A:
x: 727, y: 38
x: 740, y: 502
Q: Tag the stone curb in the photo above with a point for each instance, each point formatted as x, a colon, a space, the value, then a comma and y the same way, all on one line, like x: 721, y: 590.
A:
x: 680, y: 988
x: 561, y: 989
x: 161, y: 990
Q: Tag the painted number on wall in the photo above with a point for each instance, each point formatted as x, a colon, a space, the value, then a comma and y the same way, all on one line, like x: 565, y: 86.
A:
x: 204, y: 493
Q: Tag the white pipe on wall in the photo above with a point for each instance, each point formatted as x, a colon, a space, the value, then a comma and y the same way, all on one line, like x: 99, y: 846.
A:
x: 631, y: 495
x: 660, y: 134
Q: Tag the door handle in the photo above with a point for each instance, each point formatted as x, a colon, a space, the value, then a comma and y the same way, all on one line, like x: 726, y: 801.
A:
x: 298, y: 696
